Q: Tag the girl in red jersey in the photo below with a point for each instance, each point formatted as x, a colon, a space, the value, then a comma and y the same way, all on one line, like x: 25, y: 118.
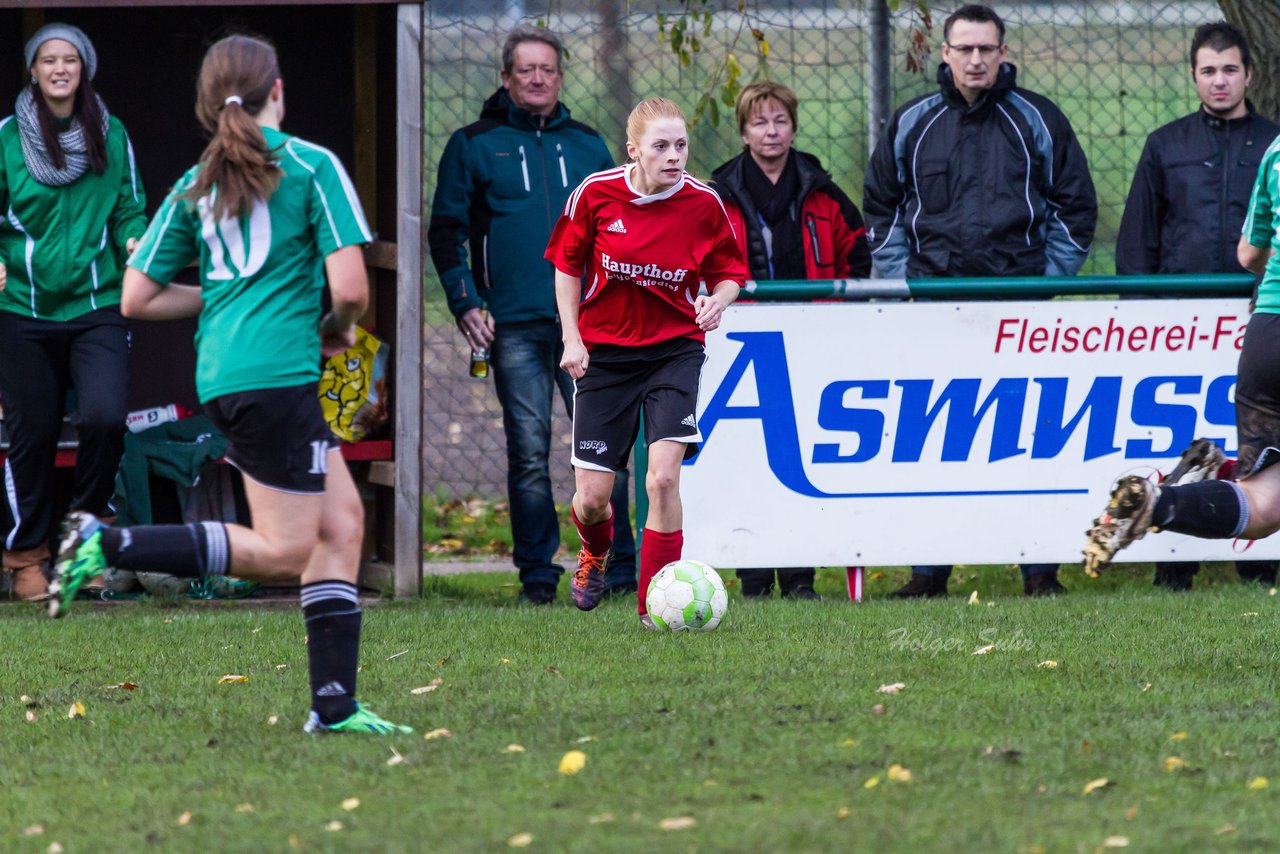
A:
x: 641, y: 238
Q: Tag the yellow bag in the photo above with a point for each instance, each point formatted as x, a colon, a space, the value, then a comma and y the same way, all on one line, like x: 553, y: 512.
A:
x: 353, y: 388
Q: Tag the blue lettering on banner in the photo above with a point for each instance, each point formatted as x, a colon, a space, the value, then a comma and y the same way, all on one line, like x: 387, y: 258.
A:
x: 958, y: 411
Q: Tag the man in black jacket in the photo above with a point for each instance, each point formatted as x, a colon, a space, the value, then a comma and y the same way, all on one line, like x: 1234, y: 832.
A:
x: 1190, y: 193
x: 981, y: 178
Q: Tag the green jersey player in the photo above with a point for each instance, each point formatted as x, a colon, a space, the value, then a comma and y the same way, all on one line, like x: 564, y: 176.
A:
x: 268, y: 217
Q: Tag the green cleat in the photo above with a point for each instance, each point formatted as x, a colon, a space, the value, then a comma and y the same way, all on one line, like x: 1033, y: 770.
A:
x: 79, y: 559
x: 362, y: 720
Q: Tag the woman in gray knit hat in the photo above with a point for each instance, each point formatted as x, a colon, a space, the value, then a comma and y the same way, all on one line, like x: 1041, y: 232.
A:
x: 73, y: 208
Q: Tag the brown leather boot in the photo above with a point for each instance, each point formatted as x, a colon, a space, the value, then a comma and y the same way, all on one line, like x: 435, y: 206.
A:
x: 27, y: 582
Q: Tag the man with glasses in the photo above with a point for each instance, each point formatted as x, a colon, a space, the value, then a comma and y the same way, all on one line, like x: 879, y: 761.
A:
x: 981, y: 178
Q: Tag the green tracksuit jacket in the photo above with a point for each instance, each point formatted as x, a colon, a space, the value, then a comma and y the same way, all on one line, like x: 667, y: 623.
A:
x: 64, y: 247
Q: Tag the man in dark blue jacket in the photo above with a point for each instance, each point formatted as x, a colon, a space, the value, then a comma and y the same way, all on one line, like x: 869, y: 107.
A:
x: 503, y: 181
x: 981, y: 178
x: 1190, y: 194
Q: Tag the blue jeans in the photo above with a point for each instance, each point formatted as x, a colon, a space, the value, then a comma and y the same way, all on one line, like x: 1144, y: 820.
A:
x: 526, y: 372
x: 1028, y: 570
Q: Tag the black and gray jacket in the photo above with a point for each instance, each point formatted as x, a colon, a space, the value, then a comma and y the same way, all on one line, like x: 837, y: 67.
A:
x: 1190, y: 194
x: 999, y: 187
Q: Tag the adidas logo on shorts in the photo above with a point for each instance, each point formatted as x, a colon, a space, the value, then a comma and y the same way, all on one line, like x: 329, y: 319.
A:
x: 617, y: 227
x: 689, y: 421
x: 333, y: 689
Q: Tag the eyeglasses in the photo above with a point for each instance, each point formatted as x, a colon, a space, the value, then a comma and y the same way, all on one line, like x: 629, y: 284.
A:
x: 986, y: 51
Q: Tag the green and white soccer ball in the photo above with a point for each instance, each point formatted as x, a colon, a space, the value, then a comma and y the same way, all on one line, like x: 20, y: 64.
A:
x: 687, y: 596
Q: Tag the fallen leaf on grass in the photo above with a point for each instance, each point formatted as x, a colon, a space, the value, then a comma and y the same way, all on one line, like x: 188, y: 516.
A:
x: 33, y: 830
x: 877, y: 709
x: 514, y: 748
x: 1116, y: 842
x: 1094, y: 785
x: 244, y: 808
x: 1086, y: 746
x: 1271, y: 592
x: 184, y: 819
x: 504, y: 661
x: 294, y: 842
x: 520, y: 840
x: 983, y: 650
x: 333, y: 826
x: 427, y: 689
x: 973, y: 598
x: 1131, y: 813
x: 1146, y: 686
x: 555, y: 670
x: 680, y: 822
x: 1178, y: 736
x: 76, y: 710
x: 450, y: 544
x: 849, y: 742
x: 1048, y: 664
x: 842, y: 813
x: 351, y: 803
x: 31, y: 716
x: 1251, y: 614
x: 273, y: 719
x: 24, y: 699
x: 124, y: 686
x: 438, y: 733
x: 872, y: 782
x: 281, y: 666
x: 892, y: 688
x: 898, y: 774
x: 396, y: 758
x: 603, y: 818
x: 573, y: 762
x: 1257, y: 783
x: 233, y: 679
x: 1174, y: 763
x: 55, y: 848
x: 1225, y: 829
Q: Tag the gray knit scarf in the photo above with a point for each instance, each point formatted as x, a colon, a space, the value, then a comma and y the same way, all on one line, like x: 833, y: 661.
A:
x: 36, y: 155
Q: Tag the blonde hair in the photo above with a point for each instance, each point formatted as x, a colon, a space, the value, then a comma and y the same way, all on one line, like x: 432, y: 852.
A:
x: 647, y: 111
x: 754, y: 95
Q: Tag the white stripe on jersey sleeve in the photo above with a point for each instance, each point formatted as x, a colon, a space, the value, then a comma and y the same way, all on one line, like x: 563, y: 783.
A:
x: 133, y: 167
x: 571, y: 205
x: 353, y: 201
x: 698, y: 185
x: 159, y: 236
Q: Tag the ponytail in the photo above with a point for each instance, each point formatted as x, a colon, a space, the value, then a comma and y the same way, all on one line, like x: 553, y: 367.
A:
x: 237, y: 169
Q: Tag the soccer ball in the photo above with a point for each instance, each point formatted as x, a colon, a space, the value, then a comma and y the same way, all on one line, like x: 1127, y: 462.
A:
x: 687, y: 595
x: 164, y: 585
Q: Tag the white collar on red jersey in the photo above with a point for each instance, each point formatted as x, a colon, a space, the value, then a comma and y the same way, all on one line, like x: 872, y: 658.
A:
x: 641, y: 198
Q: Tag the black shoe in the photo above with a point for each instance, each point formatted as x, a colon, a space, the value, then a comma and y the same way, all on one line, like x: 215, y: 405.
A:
x: 1043, y: 584
x: 1258, y: 571
x: 921, y: 587
x: 537, y: 594
x: 1174, y: 577
x: 627, y: 588
x: 804, y: 592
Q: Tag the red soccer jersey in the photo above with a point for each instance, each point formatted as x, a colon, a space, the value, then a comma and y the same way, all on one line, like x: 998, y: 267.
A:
x: 644, y: 256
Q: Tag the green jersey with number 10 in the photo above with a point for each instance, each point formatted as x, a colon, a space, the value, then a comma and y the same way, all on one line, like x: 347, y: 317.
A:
x: 260, y: 275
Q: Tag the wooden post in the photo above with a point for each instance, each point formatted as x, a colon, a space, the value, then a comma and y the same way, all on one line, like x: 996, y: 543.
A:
x: 408, y: 354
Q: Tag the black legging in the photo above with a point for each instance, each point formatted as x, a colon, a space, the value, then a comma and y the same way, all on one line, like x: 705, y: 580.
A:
x: 39, y: 361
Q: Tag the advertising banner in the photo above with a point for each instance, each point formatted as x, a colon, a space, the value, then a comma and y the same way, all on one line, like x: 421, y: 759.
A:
x: 939, y: 433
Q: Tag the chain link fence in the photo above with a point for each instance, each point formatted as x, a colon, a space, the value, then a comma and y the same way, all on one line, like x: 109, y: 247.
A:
x: 1118, y: 70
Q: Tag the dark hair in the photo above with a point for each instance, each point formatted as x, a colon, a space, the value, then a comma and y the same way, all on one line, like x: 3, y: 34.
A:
x: 1220, y: 36
x: 236, y: 160
x: 974, y: 13
x: 88, y: 112
x: 529, y: 33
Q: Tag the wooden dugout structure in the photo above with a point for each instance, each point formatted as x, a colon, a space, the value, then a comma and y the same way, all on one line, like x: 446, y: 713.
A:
x: 353, y: 83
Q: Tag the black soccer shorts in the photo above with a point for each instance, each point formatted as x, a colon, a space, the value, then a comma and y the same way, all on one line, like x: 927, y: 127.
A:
x: 607, y: 401
x: 277, y: 436
x: 1258, y: 396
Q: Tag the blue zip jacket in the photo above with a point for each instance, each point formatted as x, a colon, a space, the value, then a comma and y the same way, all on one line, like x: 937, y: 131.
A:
x: 502, y: 184
x: 999, y: 187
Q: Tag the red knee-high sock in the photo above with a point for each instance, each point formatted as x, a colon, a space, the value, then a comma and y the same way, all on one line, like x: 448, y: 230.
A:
x: 657, y: 549
x: 596, y: 539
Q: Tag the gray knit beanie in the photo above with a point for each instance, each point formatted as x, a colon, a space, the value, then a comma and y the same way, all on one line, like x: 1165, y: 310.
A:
x: 66, y: 32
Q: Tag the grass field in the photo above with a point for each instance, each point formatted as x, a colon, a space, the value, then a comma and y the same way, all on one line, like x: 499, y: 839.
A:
x: 767, y: 735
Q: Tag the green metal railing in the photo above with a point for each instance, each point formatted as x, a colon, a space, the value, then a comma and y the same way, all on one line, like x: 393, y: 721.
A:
x: 794, y: 290
x: 855, y: 290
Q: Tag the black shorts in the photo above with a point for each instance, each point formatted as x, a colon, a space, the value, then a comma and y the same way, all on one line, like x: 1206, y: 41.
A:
x: 663, y: 378
x: 277, y: 436
x: 1258, y: 395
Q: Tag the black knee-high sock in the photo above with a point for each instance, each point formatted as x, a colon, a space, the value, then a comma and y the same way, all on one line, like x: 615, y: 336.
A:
x: 1210, y: 509
x: 189, y: 551
x: 332, y: 612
